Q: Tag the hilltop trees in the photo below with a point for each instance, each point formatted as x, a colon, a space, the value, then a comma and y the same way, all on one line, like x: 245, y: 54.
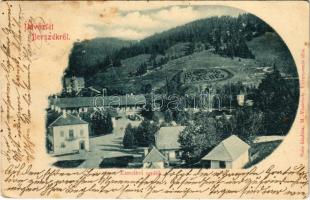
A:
x: 146, y: 88
x: 190, y: 48
x: 116, y: 62
x: 235, y: 47
x: 142, y: 69
x: 88, y: 57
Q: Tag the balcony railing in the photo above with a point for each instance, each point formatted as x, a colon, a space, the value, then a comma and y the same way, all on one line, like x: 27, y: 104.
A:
x: 71, y: 138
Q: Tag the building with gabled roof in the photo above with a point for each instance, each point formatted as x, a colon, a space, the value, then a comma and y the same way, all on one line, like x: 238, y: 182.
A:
x: 127, y: 103
x: 166, y: 141
x: 230, y: 153
x: 154, y: 159
x: 68, y: 134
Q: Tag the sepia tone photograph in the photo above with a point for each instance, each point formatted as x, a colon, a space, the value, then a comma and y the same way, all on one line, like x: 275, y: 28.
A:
x: 154, y: 99
x: 217, y: 89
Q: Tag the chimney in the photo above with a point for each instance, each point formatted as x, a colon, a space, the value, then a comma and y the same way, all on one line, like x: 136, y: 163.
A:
x: 240, y: 99
x: 146, y: 151
x: 104, y: 91
x: 64, y: 113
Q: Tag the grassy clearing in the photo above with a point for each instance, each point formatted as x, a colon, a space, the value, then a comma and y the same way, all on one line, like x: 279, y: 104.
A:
x: 68, y: 163
x: 116, y: 162
x: 266, y: 48
x: 269, y: 49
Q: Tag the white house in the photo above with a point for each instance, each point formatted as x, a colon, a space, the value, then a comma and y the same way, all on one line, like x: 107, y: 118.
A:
x: 166, y: 141
x: 68, y: 134
x: 241, y: 99
x: 231, y: 153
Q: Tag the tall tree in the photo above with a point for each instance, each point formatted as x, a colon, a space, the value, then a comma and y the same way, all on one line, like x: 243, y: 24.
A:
x: 145, y: 133
x: 147, y: 88
x: 198, y: 138
x: 278, y: 103
x: 142, y: 69
x: 248, y: 124
x: 148, y: 112
x: 190, y: 48
x: 168, y: 116
x: 101, y: 123
x: 129, y: 138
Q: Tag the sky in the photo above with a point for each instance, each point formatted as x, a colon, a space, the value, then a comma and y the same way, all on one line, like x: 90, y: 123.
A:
x: 125, y: 20
x: 138, y: 23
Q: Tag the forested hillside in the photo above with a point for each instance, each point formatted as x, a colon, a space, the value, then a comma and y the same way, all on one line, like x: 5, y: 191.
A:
x: 244, y: 48
x: 226, y: 35
x: 86, y: 55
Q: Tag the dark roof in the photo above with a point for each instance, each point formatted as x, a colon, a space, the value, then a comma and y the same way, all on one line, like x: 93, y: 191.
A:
x: 94, y: 89
x: 228, y: 150
x: 68, y: 120
x: 154, y: 156
x: 77, y: 102
x: 80, y: 80
x: 112, y: 111
x: 167, y: 137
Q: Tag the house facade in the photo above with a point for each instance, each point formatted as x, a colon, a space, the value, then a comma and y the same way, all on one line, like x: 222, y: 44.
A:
x: 74, y: 84
x: 68, y: 134
x: 166, y: 141
x: 231, y: 153
x: 241, y: 99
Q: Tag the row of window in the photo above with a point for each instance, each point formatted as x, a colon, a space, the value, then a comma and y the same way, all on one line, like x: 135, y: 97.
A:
x: 222, y: 164
x: 71, y: 133
x: 118, y: 107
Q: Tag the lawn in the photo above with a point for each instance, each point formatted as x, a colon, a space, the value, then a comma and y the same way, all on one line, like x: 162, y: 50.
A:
x: 68, y: 163
x: 233, y: 70
x: 269, y: 49
x: 116, y: 162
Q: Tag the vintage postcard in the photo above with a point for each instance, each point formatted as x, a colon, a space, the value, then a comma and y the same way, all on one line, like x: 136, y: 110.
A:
x: 154, y: 99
